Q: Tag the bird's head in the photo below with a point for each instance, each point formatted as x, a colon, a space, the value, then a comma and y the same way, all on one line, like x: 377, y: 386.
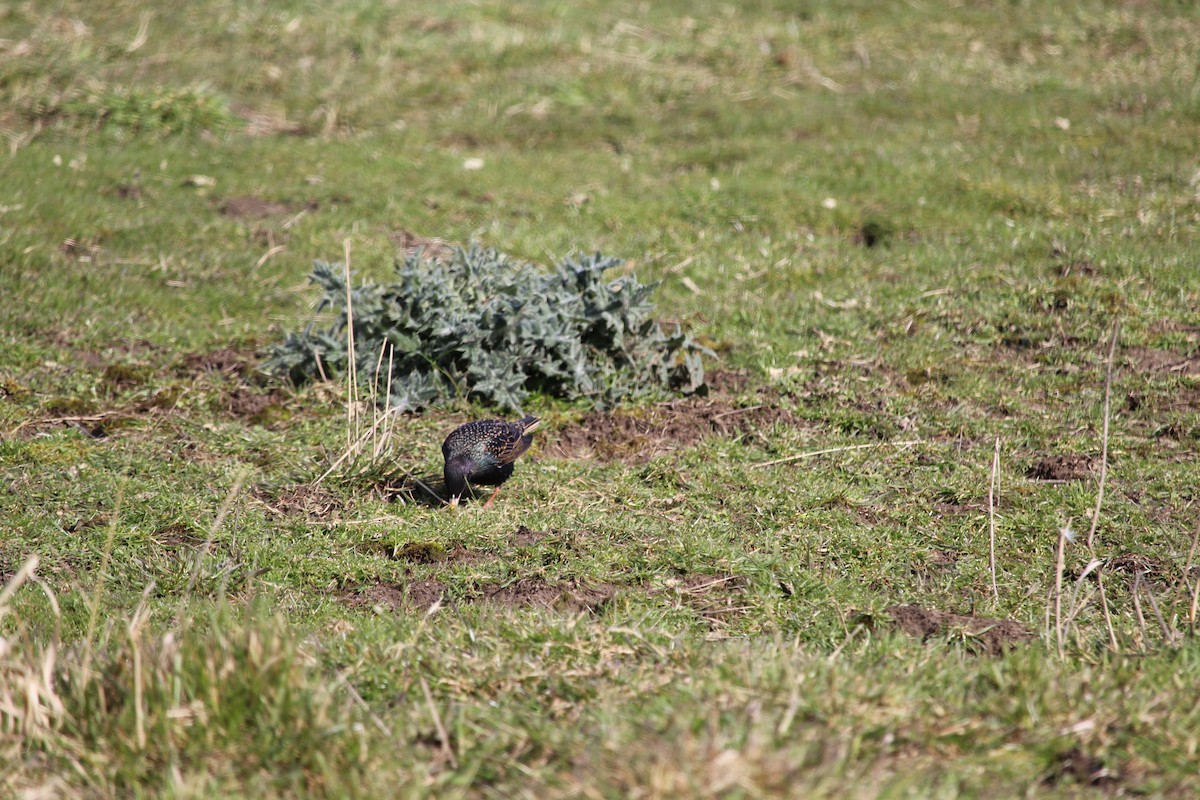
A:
x: 456, y: 471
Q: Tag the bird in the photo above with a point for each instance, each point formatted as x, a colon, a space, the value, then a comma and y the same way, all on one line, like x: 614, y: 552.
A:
x: 483, y: 452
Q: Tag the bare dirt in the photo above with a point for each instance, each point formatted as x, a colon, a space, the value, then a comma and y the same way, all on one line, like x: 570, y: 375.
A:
x: 537, y: 593
x: 244, y: 400
x: 434, y: 553
x: 1154, y: 360
x: 412, y: 244
x: 525, y: 537
x: 635, y: 436
x: 425, y: 490
x: 935, y: 562
x: 253, y: 207
x: 717, y: 597
x: 417, y: 595
x: 992, y: 635
x: 420, y: 595
x: 1076, y: 766
x: 1156, y: 575
x: 177, y: 536
x: 252, y: 406
x: 1063, y: 467
x: 302, y: 500
x: 231, y: 360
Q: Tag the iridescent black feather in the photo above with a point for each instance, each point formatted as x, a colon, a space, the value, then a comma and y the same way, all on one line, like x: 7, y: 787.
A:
x: 483, y: 452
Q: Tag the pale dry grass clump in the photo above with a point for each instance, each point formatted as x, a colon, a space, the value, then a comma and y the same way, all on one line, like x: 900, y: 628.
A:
x: 223, y: 699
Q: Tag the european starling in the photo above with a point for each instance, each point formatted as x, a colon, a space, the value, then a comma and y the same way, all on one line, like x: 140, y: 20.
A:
x: 483, y: 452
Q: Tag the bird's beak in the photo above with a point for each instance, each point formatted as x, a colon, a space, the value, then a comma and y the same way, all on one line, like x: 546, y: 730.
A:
x: 454, y: 501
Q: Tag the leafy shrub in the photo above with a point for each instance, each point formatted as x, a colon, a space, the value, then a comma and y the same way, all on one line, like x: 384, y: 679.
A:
x: 479, y: 325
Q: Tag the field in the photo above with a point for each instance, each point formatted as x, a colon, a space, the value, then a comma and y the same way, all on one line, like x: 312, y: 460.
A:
x: 931, y: 531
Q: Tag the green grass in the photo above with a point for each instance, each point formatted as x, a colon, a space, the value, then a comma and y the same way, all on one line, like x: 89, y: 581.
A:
x: 675, y: 619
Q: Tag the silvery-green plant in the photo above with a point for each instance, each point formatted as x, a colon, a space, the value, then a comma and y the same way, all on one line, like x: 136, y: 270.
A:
x: 477, y: 324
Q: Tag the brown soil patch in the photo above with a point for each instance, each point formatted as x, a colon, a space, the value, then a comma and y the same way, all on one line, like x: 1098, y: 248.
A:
x: 267, y: 123
x: 1081, y: 769
x: 716, y: 597
x: 1036, y: 343
x: 426, y: 490
x: 536, y: 593
x: 177, y: 535
x: 1155, y: 574
x: 126, y: 190
x: 83, y: 523
x: 1183, y: 398
x: 1134, y: 563
x: 433, y: 553
x: 937, y: 562
x: 84, y: 249
x: 410, y: 596
x: 115, y: 358
x: 638, y: 435
x: 120, y: 377
x: 524, y: 537
x: 231, y: 360
x: 252, y: 207
x: 951, y: 508
x: 97, y: 425
x: 1080, y: 267
x: 1168, y: 362
x: 727, y: 381
x: 254, y: 407
x: 88, y: 359
x: 304, y: 500
x: 1066, y: 467
x: 429, y: 247
x: 420, y: 595
x: 992, y: 635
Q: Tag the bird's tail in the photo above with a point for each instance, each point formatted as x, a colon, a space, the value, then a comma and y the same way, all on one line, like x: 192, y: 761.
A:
x: 529, y: 424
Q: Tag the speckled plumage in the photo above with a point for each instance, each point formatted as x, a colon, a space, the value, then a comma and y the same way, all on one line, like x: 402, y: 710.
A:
x: 483, y: 452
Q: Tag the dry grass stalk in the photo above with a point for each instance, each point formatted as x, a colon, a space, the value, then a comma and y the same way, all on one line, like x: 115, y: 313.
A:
x: 136, y: 624
x: 1059, y: 565
x: 375, y: 386
x: 16, y: 581
x: 202, y: 551
x: 1187, y: 582
x: 1167, y: 633
x: 1194, y: 607
x: 1137, y: 608
x: 98, y: 592
x: 29, y: 701
x: 352, y: 421
x: 380, y: 432
x: 1112, y: 634
x: 387, y: 431
x: 992, y: 520
x: 1077, y: 601
x: 353, y: 694
x: 443, y: 736
x: 1108, y: 373
x: 377, y: 438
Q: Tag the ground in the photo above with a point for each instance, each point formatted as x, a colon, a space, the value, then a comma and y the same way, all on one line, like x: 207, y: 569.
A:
x: 929, y: 530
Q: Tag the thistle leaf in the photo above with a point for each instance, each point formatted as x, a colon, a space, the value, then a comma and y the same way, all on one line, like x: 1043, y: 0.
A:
x: 479, y: 324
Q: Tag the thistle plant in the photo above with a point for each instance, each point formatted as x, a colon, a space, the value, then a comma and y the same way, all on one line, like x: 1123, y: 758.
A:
x: 480, y: 325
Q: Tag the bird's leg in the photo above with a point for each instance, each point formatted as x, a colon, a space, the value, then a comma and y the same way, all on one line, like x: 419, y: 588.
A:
x: 493, y: 497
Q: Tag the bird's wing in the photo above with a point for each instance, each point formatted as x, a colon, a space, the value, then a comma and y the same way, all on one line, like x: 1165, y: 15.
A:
x: 510, y: 443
